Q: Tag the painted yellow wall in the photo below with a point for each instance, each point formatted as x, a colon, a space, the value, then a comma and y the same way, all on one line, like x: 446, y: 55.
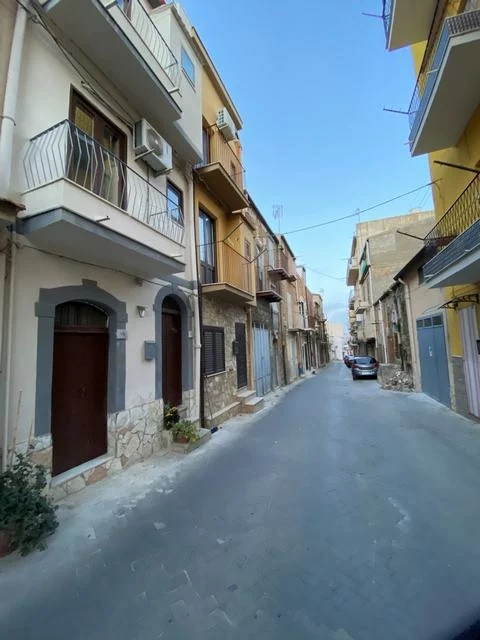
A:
x: 451, y: 183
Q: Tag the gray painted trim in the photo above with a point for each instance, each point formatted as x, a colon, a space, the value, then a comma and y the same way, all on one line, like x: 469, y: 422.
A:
x: 27, y: 226
x: 187, y: 343
x: 45, y: 312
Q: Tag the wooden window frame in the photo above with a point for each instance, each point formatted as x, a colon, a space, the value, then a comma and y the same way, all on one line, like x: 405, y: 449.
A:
x: 219, y: 362
x: 205, y: 267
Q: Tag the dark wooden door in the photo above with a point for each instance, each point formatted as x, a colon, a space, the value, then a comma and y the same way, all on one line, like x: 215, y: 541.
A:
x: 79, y: 396
x: 241, y: 348
x: 172, y: 357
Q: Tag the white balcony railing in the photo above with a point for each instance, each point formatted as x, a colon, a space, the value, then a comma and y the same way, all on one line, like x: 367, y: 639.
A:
x: 66, y: 152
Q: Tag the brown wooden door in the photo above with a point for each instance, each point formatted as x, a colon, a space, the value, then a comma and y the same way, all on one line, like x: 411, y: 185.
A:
x: 79, y: 396
x: 241, y: 348
x: 172, y: 355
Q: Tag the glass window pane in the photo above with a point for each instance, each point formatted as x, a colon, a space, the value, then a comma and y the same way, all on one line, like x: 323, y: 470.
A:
x: 188, y: 67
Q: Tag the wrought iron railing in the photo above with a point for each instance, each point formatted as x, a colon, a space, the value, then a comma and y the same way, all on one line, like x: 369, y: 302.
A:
x: 152, y: 37
x: 66, y: 152
x: 264, y: 281
x: 463, y: 213
x: 387, y: 17
x: 219, y: 150
x: 453, y: 26
x: 236, y: 269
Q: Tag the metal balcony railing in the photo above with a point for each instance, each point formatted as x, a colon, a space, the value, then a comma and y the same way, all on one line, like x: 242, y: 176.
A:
x: 387, y: 16
x: 463, y: 213
x: 236, y: 269
x: 460, y: 24
x: 152, y: 37
x: 264, y: 281
x: 66, y: 152
x: 219, y: 150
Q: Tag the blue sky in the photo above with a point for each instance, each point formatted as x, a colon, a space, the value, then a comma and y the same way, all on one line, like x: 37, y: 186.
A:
x: 310, y: 80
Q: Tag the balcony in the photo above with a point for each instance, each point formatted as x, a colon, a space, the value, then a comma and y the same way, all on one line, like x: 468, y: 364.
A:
x: 352, y: 271
x: 223, y: 172
x: 407, y: 21
x: 83, y: 201
x: 231, y: 280
x: 361, y: 306
x: 456, y: 237
x: 267, y: 288
x: 447, y: 92
x: 351, y: 300
x: 121, y: 40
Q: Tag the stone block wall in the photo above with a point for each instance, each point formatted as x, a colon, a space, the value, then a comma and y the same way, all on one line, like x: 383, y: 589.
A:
x: 460, y: 398
x: 221, y: 388
x: 133, y: 435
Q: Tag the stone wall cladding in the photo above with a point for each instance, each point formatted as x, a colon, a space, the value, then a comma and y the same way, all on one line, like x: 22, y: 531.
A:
x: 261, y: 314
x: 459, y: 385
x: 133, y: 435
x: 221, y: 389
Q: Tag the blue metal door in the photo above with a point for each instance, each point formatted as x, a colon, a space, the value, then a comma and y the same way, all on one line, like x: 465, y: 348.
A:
x: 262, y: 360
x: 433, y: 358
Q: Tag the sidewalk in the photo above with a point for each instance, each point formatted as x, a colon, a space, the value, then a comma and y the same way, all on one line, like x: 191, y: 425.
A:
x: 88, y: 519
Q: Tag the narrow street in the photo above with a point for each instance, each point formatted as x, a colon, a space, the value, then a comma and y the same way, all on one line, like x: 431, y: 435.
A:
x: 344, y: 512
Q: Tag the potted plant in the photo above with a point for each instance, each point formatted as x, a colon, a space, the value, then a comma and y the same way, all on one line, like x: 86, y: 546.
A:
x: 27, y: 516
x: 185, y: 432
x: 171, y: 417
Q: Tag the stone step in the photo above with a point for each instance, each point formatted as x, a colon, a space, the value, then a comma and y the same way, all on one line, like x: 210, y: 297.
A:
x: 245, y: 395
x: 224, y: 414
x: 253, y: 405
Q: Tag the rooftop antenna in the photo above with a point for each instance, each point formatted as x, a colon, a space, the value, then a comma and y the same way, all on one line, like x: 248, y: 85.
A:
x: 278, y: 215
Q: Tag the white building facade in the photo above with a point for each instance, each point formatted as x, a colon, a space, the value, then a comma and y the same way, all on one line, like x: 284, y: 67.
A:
x: 99, y: 298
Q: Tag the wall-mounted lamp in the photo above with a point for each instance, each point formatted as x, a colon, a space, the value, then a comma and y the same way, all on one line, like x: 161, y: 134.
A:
x: 142, y: 311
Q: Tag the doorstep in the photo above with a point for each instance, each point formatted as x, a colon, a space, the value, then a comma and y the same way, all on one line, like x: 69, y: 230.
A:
x: 85, y: 474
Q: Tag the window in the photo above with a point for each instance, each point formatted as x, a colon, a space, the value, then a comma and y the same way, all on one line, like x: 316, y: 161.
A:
x: 207, y: 248
x: 213, y: 350
x: 174, y: 202
x: 188, y: 67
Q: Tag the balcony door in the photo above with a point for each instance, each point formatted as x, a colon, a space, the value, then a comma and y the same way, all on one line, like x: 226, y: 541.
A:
x: 207, y: 248
x: 98, y: 152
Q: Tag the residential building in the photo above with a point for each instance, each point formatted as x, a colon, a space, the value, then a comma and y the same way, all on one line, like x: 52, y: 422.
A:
x: 445, y: 123
x: 226, y: 252
x: 303, y: 351
x: 427, y: 327
x: 102, y: 120
x: 267, y: 352
x: 337, y: 341
x: 321, y: 338
x: 379, y: 249
x: 286, y: 270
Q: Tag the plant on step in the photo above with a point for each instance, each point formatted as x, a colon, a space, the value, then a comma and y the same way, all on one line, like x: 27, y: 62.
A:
x: 27, y: 516
x: 185, y: 432
x: 171, y: 416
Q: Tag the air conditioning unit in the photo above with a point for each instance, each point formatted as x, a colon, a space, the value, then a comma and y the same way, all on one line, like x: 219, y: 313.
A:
x: 225, y: 124
x: 150, y: 147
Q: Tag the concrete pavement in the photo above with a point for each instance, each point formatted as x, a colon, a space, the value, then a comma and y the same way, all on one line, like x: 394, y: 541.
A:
x: 345, y: 512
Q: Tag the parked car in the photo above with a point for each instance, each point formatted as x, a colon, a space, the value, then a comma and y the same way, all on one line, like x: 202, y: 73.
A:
x: 348, y: 359
x: 364, y: 367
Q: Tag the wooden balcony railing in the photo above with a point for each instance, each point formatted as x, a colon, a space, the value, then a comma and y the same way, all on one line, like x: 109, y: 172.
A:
x: 236, y: 270
x: 222, y: 152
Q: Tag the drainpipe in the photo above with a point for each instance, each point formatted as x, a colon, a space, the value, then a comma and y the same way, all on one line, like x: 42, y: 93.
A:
x: 198, y: 387
x: 7, y: 133
x: 8, y: 119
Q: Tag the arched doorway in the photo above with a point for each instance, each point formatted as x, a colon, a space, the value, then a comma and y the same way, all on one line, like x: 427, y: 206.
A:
x: 171, y: 352
x: 79, y: 385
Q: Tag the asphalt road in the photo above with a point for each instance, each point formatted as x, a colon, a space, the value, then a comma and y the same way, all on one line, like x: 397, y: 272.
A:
x: 344, y: 512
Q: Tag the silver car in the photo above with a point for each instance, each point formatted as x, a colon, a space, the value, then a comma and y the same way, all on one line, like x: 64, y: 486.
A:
x: 364, y: 367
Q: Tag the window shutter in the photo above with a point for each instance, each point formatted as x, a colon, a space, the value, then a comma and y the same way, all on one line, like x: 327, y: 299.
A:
x: 220, y: 350
x: 213, y: 350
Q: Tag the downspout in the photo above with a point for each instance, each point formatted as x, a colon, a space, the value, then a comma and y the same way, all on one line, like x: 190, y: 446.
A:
x: 7, y: 133
x: 8, y: 119
x: 198, y: 386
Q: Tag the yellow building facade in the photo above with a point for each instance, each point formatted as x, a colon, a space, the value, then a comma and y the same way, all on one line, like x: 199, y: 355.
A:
x: 444, y: 118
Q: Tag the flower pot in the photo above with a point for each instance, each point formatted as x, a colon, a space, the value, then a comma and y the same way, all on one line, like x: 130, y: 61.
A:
x: 182, y: 439
x: 4, y: 543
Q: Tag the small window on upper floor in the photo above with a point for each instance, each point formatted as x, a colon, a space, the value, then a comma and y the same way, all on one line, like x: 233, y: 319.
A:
x: 188, y: 67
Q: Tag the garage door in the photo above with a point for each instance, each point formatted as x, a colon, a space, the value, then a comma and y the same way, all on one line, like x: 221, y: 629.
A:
x: 262, y: 360
x: 433, y: 358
